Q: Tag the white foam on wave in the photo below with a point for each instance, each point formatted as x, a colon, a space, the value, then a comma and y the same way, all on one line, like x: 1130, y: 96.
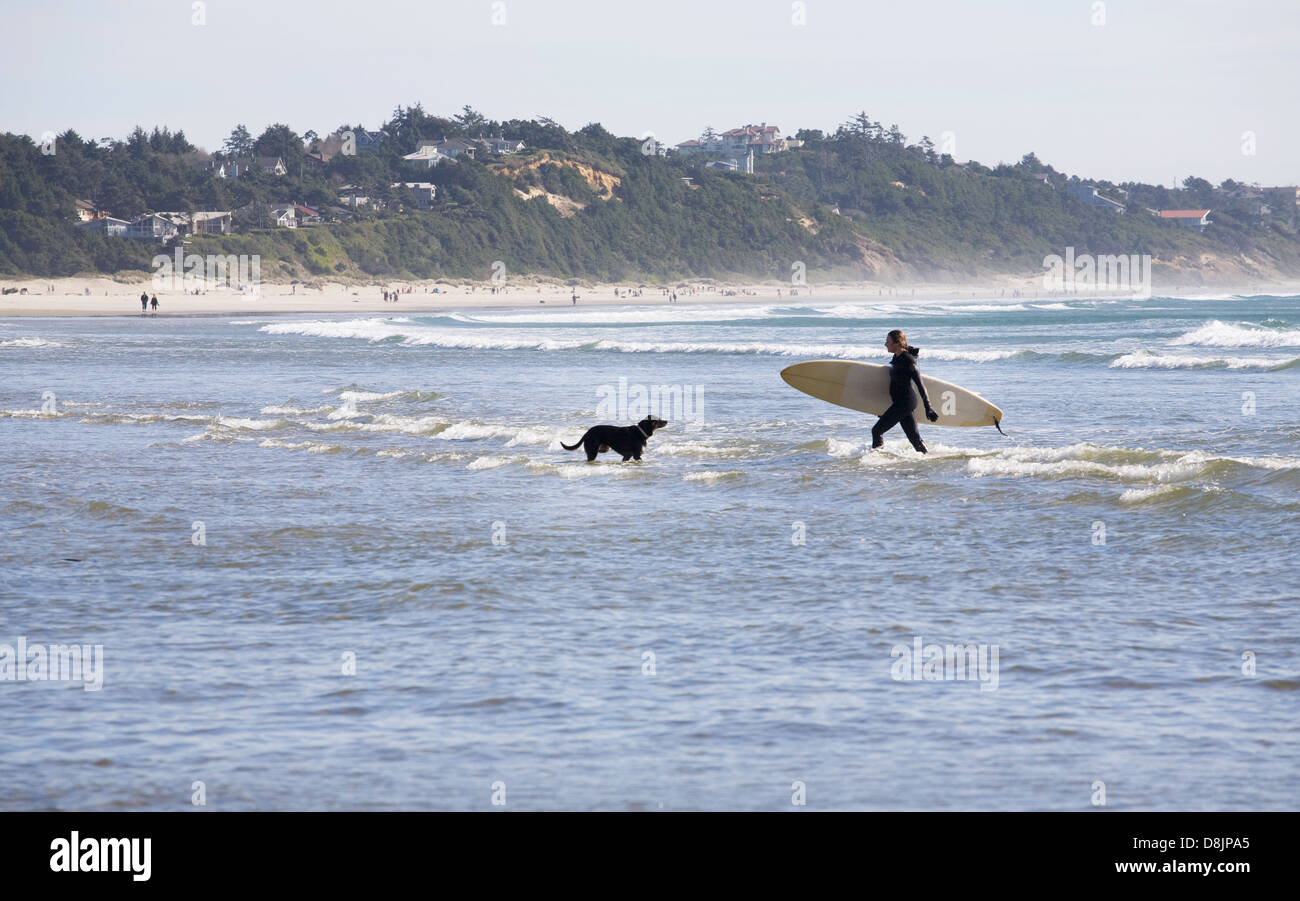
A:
x: 1223, y: 334
x: 1125, y: 464
x: 711, y: 476
x: 312, y: 447
x: 294, y: 411
x: 361, y: 397
x: 629, y: 315
x: 29, y: 342
x: 382, y: 422
x: 1137, y: 495
x: 982, y: 307
x: 470, y: 430
x: 493, y: 462
x: 418, y: 336
x: 838, y: 448
x: 1143, y: 359
x: 256, y: 425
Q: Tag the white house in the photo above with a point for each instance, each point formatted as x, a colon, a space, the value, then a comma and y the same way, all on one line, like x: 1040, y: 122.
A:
x: 284, y: 217
x: 429, y: 155
x: 452, y: 147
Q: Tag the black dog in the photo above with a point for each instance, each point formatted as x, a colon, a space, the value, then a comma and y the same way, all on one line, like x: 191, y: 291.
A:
x: 626, y: 440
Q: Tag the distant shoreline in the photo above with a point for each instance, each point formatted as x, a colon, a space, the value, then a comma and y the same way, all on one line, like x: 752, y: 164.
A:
x: 108, y: 297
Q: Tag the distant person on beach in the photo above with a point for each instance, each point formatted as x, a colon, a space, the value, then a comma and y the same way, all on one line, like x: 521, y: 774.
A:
x: 902, y: 375
x: 153, y: 302
x: 144, y: 301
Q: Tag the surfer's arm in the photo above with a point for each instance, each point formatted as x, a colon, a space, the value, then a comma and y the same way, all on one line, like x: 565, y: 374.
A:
x: 916, y: 377
x: 925, y: 399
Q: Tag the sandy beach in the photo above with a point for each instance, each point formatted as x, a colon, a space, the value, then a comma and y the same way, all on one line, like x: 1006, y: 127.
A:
x: 111, y: 297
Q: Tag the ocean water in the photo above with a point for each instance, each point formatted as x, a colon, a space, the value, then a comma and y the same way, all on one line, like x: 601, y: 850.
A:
x: 344, y: 563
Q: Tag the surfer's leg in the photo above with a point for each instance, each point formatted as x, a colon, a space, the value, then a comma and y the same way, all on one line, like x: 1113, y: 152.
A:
x: 887, y: 421
x: 908, y: 422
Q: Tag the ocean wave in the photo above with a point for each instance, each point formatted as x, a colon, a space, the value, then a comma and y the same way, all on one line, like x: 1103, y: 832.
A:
x: 1118, y: 463
x: 360, y: 397
x: 294, y: 411
x: 417, y: 336
x: 1143, y: 359
x: 1223, y: 334
x: 713, y: 475
x: 30, y: 342
x: 239, y: 423
x: 313, y: 447
x: 640, y: 314
x: 493, y: 462
x: 382, y: 422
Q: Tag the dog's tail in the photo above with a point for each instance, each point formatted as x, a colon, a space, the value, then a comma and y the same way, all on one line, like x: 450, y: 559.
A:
x: 577, y: 444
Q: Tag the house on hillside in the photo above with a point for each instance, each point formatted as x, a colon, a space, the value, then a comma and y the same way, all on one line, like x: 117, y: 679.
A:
x: 1197, y: 219
x: 271, y: 165
x: 115, y: 228
x: 499, y: 145
x: 87, y: 211
x: 215, y: 168
x: 152, y: 227
x: 284, y: 216
x: 452, y: 147
x: 264, y: 215
x: 418, y: 194
x: 369, y: 141
x: 354, y: 196
x: 429, y: 156
x: 308, y: 216
x: 211, y: 222
x: 762, y: 138
x: 743, y: 164
x: 1088, y: 194
x: 738, y: 142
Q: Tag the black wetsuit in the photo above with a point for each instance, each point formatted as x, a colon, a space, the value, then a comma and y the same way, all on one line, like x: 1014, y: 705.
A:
x: 902, y: 375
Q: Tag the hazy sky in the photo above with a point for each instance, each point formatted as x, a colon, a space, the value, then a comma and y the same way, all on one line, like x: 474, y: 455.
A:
x: 1162, y: 89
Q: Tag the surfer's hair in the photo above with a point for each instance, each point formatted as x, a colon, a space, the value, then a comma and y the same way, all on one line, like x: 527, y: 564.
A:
x: 897, y: 335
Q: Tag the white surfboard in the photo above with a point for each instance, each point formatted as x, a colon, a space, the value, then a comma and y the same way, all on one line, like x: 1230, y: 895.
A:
x: 865, y: 387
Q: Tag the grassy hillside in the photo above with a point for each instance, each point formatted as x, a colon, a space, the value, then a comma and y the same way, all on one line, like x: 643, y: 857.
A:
x: 589, y: 205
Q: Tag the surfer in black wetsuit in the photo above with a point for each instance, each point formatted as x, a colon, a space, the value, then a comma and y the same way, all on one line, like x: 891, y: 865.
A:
x: 902, y: 375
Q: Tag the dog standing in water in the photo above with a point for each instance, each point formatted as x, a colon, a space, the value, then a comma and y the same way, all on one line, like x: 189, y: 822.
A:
x: 628, y: 440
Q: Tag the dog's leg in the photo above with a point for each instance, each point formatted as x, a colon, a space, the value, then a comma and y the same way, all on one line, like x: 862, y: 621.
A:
x: 592, y: 449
